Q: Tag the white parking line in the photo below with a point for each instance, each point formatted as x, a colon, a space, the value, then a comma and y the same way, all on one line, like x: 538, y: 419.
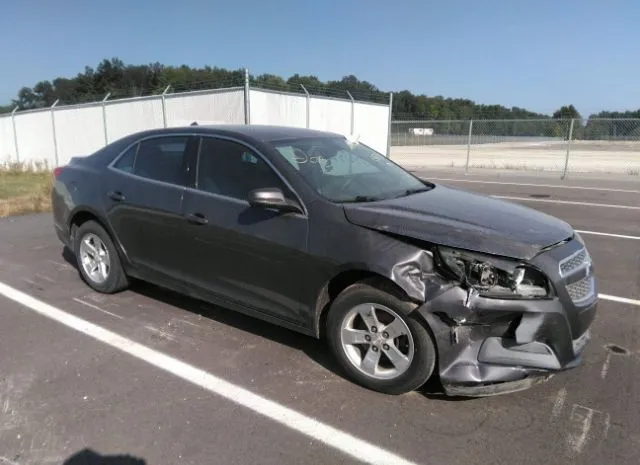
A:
x: 580, y: 423
x: 333, y: 437
x: 628, y: 191
x: 567, y: 202
x: 622, y: 300
x: 605, y: 366
x: 558, y: 403
x: 619, y: 236
x: 95, y: 307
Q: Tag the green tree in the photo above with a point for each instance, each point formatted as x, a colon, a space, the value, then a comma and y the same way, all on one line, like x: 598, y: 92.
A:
x: 564, y: 115
x: 269, y: 81
x: 126, y: 80
x: 566, y: 112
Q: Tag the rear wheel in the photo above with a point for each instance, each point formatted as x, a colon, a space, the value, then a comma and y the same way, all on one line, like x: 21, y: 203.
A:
x: 378, y: 342
x: 97, y: 258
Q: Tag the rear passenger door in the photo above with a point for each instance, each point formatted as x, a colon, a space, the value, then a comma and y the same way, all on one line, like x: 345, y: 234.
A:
x: 143, y: 197
x: 247, y: 255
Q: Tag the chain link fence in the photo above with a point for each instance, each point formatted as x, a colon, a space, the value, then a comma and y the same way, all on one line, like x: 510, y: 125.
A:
x: 562, y: 146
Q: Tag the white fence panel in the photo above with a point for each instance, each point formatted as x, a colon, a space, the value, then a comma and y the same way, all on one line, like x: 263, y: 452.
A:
x: 372, y: 124
x: 278, y: 109
x: 79, y: 131
x: 127, y: 117
x: 330, y: 115
x: 217, y: 107
x: 7, y: 145
x: 35, y: 137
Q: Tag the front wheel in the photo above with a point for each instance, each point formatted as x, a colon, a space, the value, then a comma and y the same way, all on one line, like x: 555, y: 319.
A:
x: 378, y: 342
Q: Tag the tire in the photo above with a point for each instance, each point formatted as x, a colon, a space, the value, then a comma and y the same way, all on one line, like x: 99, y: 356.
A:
x: 115, y: 279
x: 417, y: 369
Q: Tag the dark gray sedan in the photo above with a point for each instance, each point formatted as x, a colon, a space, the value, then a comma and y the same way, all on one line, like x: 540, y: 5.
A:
x: 406, y: 279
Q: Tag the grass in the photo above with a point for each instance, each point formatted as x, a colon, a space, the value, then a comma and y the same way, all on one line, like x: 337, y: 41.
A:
x: 25, y: 188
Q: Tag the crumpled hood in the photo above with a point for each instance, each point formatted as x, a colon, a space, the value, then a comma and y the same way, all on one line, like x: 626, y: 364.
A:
x: 456, y: 218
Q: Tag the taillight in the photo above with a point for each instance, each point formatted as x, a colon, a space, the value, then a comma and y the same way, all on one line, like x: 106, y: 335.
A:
x: 57, y: 171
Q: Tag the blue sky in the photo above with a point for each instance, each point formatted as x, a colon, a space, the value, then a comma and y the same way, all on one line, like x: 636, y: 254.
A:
x: 536, y: 54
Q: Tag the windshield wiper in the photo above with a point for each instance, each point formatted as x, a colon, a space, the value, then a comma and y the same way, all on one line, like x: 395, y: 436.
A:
x: 415, y: 190
x: 362, y: 198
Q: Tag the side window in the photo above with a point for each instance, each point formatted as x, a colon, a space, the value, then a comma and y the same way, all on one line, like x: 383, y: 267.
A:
x: 231, y: 169
x: 126, y: 161
x: 161, y: 159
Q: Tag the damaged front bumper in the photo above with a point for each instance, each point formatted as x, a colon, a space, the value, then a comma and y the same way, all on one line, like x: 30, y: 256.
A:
x: 492, y: 346
x: 495, y: 342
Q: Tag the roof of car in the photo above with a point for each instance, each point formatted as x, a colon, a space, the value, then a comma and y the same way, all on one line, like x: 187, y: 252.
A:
x: 263, y: 133
x: 266, y: 132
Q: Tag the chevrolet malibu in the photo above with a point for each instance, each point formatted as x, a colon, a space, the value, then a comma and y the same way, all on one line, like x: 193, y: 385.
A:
x: 404, y: 278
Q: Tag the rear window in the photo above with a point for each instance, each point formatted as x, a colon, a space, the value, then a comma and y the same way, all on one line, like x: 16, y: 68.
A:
x: 125, y: 162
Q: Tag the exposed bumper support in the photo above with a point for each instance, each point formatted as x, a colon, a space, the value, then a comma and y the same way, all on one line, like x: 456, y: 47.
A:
x: 492, y: 346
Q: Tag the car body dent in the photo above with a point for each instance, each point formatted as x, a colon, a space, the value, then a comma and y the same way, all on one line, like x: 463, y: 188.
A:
x: 488, y: 346
x: 459, y: 219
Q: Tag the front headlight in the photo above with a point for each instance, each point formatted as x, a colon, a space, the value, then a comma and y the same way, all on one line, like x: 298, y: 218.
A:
x: 494, y: 277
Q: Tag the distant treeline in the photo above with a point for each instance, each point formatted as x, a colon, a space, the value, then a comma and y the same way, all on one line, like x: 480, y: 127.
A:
x: 120, y: 80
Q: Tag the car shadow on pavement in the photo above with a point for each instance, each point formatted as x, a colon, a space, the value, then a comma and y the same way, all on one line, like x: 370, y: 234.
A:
x: 315, y: 349
x: 89, y: 457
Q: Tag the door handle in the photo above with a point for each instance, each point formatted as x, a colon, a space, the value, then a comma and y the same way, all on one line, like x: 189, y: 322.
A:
x: 117, y: 196
x: 197, y: 218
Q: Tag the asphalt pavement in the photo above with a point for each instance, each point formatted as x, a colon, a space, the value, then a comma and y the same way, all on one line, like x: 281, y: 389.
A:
x: 63, y: 391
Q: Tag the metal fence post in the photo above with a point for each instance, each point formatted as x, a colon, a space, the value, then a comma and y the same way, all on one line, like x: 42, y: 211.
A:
x: 466, y: 166
x: 104, y: 117
x: 353, y: 112
x: 164, y: 105
x: 55, y: 138
x: 566, y: 160
x: 308, y: 106
x: 15, y: 134
x: 389, y: 126
x: 247, y: 107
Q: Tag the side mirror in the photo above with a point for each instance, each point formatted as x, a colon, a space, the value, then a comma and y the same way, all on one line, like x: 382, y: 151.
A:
x: 272, y: 198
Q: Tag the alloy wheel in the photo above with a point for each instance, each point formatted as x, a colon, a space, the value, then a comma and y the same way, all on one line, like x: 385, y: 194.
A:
x: 377, y: 341
x: 94, y: 258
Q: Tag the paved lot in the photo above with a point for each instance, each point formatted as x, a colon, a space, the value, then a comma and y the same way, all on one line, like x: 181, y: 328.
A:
x: 62, y: 391
x: 585, y: 156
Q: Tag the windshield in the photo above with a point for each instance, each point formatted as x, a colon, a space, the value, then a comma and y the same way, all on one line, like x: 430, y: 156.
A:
x: 342, y: 171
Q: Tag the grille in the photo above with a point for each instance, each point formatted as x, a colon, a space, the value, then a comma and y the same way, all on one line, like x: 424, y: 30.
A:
x: 574, y: 262
x: 581, y: 290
